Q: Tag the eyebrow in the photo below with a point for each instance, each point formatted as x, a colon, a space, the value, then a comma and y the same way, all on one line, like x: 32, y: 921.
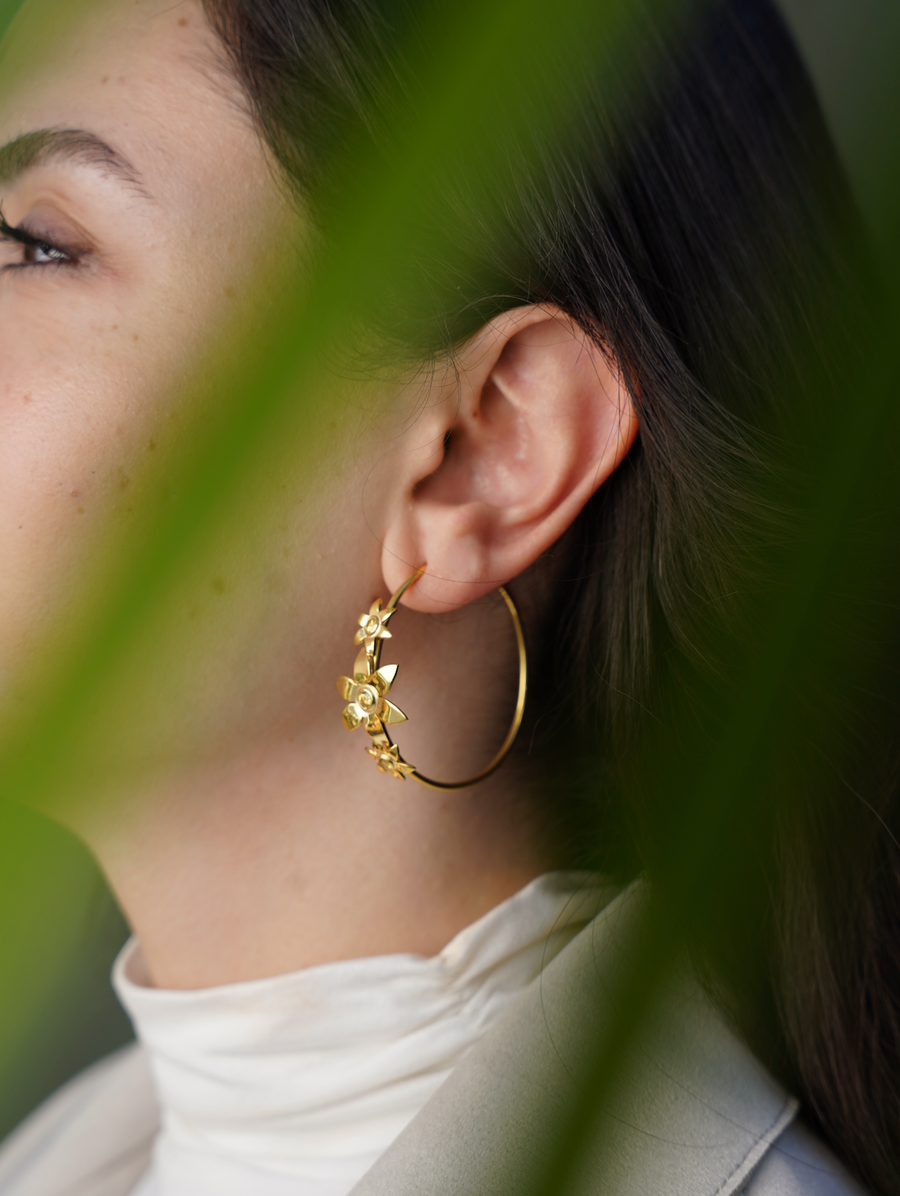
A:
x: 66, y: 145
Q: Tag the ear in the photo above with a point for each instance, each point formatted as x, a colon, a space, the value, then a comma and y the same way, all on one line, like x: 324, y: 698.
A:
x: 534, y: 419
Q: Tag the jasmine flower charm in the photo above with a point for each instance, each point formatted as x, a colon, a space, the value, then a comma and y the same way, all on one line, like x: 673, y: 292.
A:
x: 372, y: 626
x: 366, y: 701
x: 388, y: 759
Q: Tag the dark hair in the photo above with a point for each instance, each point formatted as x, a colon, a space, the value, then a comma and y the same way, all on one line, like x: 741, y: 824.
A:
x: 698, y: 225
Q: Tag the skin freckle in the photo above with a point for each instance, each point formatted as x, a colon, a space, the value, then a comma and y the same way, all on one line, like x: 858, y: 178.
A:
x: 182, y: 21
x: 135, y: 337
x: 229, y: 292
x: 105, y: 79
x: 151, y: 446
x: 218, y: 585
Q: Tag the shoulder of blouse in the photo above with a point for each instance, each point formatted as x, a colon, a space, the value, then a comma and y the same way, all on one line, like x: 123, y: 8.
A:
x: 692, y: 1113
x: 799, y: 1164
x: 93, y: 1137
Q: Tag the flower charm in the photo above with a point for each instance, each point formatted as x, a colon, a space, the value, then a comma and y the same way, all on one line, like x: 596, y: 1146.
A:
x: 372, y: 626
x: 387, y: 758
x: 365, y: 693
x: 366, y: 690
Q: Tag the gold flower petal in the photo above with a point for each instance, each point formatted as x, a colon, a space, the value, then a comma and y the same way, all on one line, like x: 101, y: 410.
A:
x: 344, y: 686
x: 388, y: 760
x: 396, y: 767
x: 384, y: 678
x: 389, y: 713
x: 351, y: 717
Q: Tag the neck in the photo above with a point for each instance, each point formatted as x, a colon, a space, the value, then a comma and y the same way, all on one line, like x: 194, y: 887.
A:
x: 280, y: 845
x: 265, y: 867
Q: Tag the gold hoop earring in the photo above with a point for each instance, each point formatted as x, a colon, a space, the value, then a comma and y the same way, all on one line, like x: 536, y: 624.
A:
x: 366, y: 693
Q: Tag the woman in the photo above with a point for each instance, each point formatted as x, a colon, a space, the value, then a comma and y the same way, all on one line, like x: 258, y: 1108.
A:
x: 584, y: 372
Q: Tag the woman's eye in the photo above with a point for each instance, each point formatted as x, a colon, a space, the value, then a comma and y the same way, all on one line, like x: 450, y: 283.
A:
x: 43, y: 253
x: 34, y: 250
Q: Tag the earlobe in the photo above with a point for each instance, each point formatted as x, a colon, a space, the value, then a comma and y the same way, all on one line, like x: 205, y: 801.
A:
x: 539, y: 420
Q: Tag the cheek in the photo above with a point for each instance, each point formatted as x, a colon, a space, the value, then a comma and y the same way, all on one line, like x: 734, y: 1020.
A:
x: 86, y: 405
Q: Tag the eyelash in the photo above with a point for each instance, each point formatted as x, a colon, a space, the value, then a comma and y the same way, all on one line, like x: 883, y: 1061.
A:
x: 57, y: 256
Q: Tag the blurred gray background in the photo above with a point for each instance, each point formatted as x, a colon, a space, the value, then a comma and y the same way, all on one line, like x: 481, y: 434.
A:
x: 852, y: 49
x: 59, y: 927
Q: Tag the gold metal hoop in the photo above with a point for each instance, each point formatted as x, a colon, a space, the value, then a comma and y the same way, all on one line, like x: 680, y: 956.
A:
x: 366, y: 693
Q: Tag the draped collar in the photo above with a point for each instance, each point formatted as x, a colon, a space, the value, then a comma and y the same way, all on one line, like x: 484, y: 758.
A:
x: 297, y: 1083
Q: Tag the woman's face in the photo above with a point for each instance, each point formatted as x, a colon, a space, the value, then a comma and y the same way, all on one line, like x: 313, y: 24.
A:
x: 147, y: 218
x: 144, y: 234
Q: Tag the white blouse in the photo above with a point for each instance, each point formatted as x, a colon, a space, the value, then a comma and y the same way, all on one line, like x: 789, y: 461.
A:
x: 294, y: 1085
